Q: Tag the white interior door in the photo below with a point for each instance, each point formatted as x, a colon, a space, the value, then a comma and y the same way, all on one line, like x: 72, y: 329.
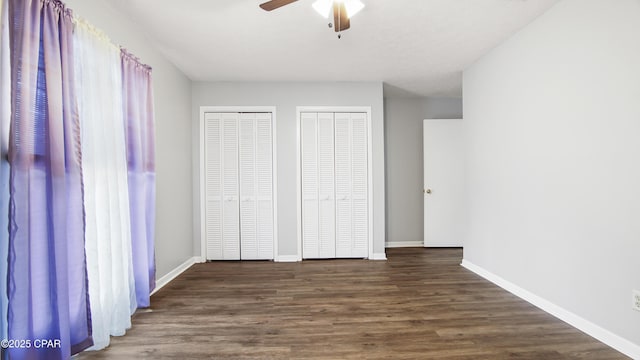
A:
x: 444, y: 187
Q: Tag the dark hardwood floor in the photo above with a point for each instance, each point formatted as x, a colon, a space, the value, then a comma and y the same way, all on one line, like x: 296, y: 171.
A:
x: 420, y: 304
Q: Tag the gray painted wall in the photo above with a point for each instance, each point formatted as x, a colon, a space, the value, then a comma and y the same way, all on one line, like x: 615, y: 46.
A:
x: 553, y: 119
x: 285, y: 97
x: 172, y: 92
x: 404, y: 161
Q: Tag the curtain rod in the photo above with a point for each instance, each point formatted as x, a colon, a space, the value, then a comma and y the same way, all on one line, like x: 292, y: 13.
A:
x: 77, y: 20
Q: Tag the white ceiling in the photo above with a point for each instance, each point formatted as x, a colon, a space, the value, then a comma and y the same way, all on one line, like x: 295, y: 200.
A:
x: 416, y: 47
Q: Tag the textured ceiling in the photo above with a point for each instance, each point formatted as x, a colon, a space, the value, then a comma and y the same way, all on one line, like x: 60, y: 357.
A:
x: 416, y: 47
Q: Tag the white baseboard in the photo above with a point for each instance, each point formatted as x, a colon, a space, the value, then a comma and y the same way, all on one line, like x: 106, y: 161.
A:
x: 160, y: 283
x: 401, y: 244
x: 287, y: 258
x: 378, y: 256
x: 615, y: 341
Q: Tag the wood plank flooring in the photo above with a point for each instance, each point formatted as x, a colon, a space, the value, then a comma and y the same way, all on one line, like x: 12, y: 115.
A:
x: 420, y: 304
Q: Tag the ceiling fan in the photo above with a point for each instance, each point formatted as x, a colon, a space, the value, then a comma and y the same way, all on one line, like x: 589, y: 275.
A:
x: 343, y: 10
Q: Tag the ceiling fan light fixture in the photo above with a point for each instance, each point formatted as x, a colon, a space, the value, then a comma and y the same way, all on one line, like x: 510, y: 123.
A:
x: 323, y: 7
x: 353, y: 7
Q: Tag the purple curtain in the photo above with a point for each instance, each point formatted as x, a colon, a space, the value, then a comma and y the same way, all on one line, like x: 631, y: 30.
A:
x: 47, y: 278
x: 139, y: 131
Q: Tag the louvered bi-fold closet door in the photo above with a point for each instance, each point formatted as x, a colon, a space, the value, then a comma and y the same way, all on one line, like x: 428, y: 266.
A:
x: 352, y: 216
x: 326, y: 187
x: 256, y: 184
x: 309, y: 163
x: 334, y: 161
x: 221, y: 186
x: 318, y: 194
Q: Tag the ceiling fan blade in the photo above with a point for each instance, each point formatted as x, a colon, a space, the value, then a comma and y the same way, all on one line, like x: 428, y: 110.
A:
x: 340, y: 19
x: 274, y: 4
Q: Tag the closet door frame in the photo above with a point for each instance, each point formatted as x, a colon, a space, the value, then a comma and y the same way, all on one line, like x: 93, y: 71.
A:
x: 201, y: 198
x: 334, y: 109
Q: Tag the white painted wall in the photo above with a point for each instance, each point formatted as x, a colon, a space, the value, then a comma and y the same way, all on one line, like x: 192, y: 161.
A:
x: 553, y: 117
x: 404, y: 162
x: 285, y: 97
x: 172, y: 91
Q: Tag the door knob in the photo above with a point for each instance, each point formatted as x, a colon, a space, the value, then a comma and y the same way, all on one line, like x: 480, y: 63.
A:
x: 427, y: 191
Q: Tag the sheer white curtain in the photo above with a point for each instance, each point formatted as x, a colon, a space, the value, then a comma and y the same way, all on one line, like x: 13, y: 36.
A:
x: 104, y: 166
